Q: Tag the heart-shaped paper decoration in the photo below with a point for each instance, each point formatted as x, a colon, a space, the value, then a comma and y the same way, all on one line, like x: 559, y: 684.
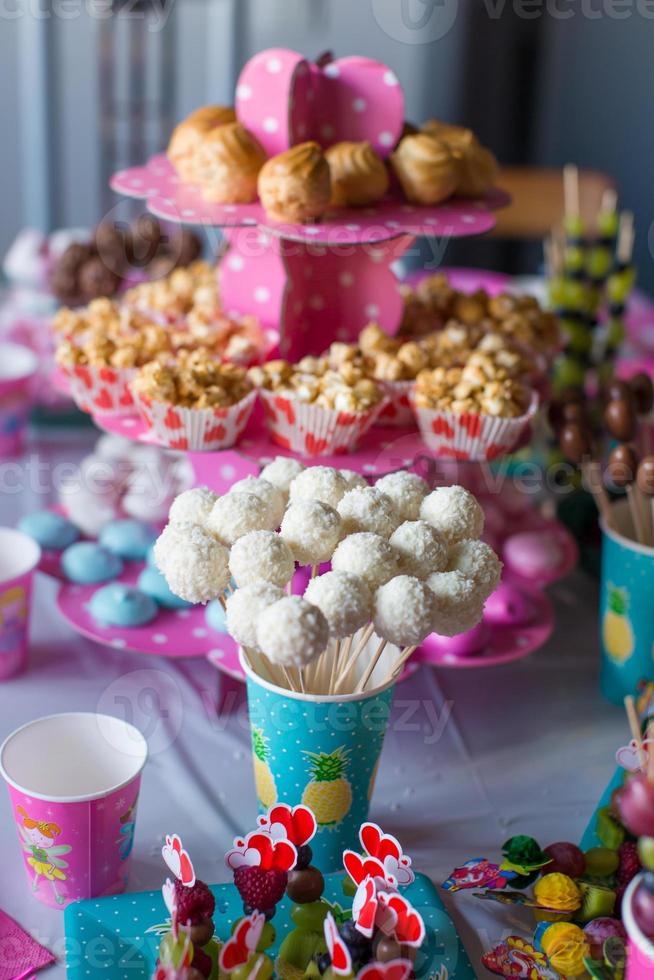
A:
x: 628, y: 756
x: 388, y: 850
x: 284, y: 99
x: 367, y: 911
x: 259, y: 850
x: 359, y: 868
x: 238, y: 949
x: 168, y: 892
x: 297, y: 824
x: 410, y: 928
x: 393, y: 970
x: 178, y: 860
x: 339, y: 953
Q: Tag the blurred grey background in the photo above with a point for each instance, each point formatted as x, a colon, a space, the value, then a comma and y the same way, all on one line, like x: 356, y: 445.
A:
x: 87, y: 86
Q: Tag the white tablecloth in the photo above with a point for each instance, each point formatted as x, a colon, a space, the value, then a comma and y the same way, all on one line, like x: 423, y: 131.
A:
x: 471, y: 757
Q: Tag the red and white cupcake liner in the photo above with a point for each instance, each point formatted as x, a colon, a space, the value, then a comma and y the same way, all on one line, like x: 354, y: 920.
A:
x: 311, y: 430
x: 101, y: 390
x: 398, y: 410
x: 195, y: 430
x: 470, y: 436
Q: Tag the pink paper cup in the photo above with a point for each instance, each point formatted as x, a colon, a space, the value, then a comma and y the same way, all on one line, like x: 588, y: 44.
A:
x: 19, y: 556
x: 74, y: 781
x: 640, y: 953
x: 18, y: 368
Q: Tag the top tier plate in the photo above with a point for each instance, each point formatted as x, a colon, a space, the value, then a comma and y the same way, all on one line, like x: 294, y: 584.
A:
x: 167, y: 196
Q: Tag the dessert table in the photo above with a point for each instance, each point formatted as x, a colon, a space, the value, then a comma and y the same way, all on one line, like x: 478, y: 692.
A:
x: 471, y: 757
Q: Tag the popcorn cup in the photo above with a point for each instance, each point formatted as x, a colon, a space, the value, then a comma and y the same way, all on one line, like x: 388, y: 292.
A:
x: 311, y: 430
x: 101, y: 390
x: 18, y: 368
x: 640, y: 949
x: 19, y: 556
x: 397, y: 410
x: 469, y: 436
x: 626, y: 600
x: 73, y: 781
x: 322, y: 751
x: 195, y: 429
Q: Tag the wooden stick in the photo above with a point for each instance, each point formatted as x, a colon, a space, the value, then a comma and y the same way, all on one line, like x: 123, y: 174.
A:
x: 361, y: 645
x: 374, y: 660
x: 636, y: 513
x: 345, y: 649
x: 222, y: 601
x: 626, y: 236
x: 593, y: 476
x: 314, y: 571
x: 609, y: 201
x: 300, y: 673
x: 634, y: 724
x: 571, y: 189
x: 289, y: 679
x: 399, y: 663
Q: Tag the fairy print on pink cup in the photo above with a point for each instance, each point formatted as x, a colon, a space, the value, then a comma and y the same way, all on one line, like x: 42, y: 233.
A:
x: 73, y: 782
x: 18, y: 369
x: 19, y: 557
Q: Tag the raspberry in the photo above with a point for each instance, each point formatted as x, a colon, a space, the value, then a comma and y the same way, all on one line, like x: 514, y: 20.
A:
x: 629, y: 863
x: 260, y: 889
x: 193, y: 904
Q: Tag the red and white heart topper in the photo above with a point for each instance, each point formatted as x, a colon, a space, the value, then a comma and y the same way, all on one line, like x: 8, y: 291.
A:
x: 338, y: 952
x: 260, y: 850
x: 409, y: 928
x: 393, y: 970
x: 168, y: 892
x: 297, y: 824
x: 388, y: 850
x: 178, y: 860
x: 361, y: 867
x: 368, y: 912
x: 628, y: 756
x: 239, y: 948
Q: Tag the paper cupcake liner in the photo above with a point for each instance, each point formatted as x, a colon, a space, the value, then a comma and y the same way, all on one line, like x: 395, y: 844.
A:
x: 397, y: 411
x: 470, y: 436
x: 195, y: 429
x: 312, y: 430
x: 101, y: 390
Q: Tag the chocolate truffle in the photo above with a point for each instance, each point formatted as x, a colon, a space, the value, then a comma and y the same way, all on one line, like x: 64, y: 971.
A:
x: 622, y: 465
x: 642, y: 390
x: 620, y: 419
x: 96, y: 279
x: 575, y: 442
x: 645, y: 477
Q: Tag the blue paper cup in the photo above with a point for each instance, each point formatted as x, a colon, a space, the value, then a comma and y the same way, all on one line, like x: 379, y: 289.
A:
x: 318, y: 750
x: 626, y: 608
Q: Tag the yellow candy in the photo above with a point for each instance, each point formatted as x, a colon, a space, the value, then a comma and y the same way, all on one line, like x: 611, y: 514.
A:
x: 565, y: 946
x: 557, y: 891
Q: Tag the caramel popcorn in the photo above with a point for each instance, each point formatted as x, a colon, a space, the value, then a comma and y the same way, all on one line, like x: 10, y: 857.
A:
x: 194, y: 379
x: 474, y: 388
x: 108, y: 336
x: 340, y: 384
x: 178, y: 294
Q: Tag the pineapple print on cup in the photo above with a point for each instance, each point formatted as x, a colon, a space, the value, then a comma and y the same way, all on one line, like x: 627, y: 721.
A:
x: 263, y: 777
x: 329, y: 793
x: 617, y: 631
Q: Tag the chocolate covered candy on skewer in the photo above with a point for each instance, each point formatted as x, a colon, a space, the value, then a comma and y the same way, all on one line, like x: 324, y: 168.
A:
x: 642, y: 389
x: 576, y: 443
x: 645, y: 484
x: 621, y: 470
x: 620, y: 419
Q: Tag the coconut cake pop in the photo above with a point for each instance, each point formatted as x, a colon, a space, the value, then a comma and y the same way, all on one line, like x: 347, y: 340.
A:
x: 421, y: 547
x: 406, y: 490
x: 318, y: 483
x: 235, y: 514
x: 476, y: 561
x: 353, y: 480
x: 367, y: 509
x: 403, y: 611
x: 281, y: 472
x: 194, y: 564
x: 192, y: 506
x: 457, y: 605
x: 261, y: 555
x: 272, y: 496
x: 311, y: 529
x: 344, y: 599
x: 243, y: 608
x: 292, y: 632
x: 369, y: 556
x: 454, y: 512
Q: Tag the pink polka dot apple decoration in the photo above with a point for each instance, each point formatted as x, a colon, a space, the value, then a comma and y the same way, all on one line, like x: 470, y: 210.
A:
x: 308, y: 280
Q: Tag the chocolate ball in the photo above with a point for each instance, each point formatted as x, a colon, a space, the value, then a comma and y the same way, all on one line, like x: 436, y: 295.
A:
x: 96, y: 279
x: 622, y: 465
x: 305, y: 886
x: 645, y: 476
x: 617, y: 389
x: 574, y: 412
x: 575, y: 442
x: 63, y: 283
x: 147, y: 229
x: 72, y: 258
x: 386, y: 949
x: 642, y: 390
x: 620, y: 419
x: 201, y: 933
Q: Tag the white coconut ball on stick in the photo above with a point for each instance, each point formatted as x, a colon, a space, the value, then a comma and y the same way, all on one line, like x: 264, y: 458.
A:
x: 458, y: 605
x: 235, y: 514
x: 369, y: 556
x: 406, y: 490
x: 368, y: 509
x: 194, y: 564
x: 477, y: 561
x: 353, y: 480
x: 454, y: 512
x: 281, y: 472
x: 261, y: 555
x: 192, y: 506
x: 344, y: 599
x: 403, y: 611
x: 292, y: 632
x: 311, y: 529
x: 243, y: 608
x: 272, y: 497
x: 318, y: 483
x: 421, y: 548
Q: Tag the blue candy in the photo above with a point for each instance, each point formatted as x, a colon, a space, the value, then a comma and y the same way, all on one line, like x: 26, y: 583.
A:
x: 52, y: 531
x: 128, y: 538
x: 152, y: 582
x: 122, y: 605
x: 215, y: 616
x: 88, y: 563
